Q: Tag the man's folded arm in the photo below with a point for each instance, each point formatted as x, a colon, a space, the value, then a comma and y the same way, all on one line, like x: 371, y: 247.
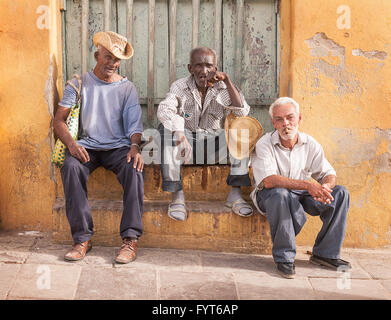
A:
x: 277, y: 181
x: 241, y: 106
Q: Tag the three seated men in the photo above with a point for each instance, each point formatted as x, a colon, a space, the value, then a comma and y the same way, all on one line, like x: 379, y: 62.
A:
x: 192, y: 130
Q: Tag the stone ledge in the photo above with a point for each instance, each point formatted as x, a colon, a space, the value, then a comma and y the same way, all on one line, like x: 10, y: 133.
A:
x: 210, y: 226
x: 200, y: 183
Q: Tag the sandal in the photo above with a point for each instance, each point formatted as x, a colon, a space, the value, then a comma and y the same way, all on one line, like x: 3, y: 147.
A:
x: 239, y: 204
x: 177, y: 209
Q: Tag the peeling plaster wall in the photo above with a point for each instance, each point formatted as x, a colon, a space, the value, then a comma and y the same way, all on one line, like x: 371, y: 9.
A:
x: 26, y: 190
x: 342, y: 80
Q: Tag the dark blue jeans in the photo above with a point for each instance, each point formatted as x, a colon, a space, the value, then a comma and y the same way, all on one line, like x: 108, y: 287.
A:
x: 285, y: 210
x: 74, y: 176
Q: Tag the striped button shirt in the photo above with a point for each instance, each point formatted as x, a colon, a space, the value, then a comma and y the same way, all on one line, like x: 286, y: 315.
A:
x: 182, y: 108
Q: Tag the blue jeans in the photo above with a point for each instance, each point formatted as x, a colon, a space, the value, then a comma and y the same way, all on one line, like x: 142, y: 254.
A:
x: 207, y: 148
x: 74, y: 176
x: 285, y: 210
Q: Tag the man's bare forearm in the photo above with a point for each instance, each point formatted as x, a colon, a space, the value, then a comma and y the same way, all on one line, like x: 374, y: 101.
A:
x: 277, y: 181
x: 62, y: 131
x: 233, y: 94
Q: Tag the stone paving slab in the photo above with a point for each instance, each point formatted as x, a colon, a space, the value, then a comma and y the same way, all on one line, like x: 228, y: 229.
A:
x: 386, y: 284
x: 226, y: 262
x: 196, y: 286
x: 343, y: 289
x: 8, y: 273
x: 15, y: 239
x: 305, y: 268
x: 272, y: 287
x: 13, y: 256
x: 117, y: 284
x: 162, y: 259
x: 377, y: 264
x: 36, y: 281
x: 181, y: 274
x: 16, y: 246
x: 97, y: 257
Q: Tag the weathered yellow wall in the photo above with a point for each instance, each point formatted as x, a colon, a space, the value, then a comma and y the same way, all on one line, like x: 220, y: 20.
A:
x: 344, y: 98
x: 26, y: 190
x: 345, y: 101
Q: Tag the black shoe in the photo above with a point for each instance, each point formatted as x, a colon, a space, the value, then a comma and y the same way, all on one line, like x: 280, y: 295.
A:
x: 286, y: 269
x: 334, y: 264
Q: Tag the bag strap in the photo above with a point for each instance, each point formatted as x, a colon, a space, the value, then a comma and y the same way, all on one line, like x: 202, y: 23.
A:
x: 78, y: 90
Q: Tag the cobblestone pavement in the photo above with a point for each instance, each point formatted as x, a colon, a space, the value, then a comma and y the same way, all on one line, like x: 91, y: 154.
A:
x: 32, y: 267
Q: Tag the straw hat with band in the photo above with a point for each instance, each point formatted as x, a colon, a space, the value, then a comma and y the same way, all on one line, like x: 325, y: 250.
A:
x: 115, y: 43
x: 241, y: 142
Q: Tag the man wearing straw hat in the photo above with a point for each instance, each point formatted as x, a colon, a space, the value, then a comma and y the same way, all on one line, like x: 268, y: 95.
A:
x: 192, y: 120
x: 283, y: 163
x: 110, y: 135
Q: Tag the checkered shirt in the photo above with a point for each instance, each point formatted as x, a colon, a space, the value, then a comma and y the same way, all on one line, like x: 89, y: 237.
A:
x: 182, y: 109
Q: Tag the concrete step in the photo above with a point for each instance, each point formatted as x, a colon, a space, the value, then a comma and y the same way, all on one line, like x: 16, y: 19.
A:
x: 200, y: 183
x: 210, y: 226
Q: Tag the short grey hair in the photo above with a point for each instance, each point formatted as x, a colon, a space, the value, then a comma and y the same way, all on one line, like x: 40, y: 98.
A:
x: 281, y: 101
x: 202, y: 49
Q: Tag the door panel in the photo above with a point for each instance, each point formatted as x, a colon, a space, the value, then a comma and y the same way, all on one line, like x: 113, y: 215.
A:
x: 245, y: 32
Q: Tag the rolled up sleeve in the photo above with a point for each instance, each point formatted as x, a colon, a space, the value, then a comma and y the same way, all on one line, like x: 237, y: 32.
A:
x: 70, y: 95
x: 262, y: 161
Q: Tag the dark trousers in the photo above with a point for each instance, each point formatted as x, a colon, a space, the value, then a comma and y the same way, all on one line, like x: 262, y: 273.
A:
x: 285, y: 211
x: 207, y: 148
x: 74, y: 176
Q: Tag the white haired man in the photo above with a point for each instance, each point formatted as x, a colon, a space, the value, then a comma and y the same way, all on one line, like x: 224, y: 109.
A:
x: 283, y: 163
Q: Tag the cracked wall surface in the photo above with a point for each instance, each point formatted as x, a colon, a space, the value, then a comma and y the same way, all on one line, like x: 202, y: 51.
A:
x: 322, y: 47
x: 380, y: 55
x: 26, y: 191
x: 341, y: 78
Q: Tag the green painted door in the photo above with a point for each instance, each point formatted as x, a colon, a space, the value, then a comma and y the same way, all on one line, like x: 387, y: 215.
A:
x: 162, y: 32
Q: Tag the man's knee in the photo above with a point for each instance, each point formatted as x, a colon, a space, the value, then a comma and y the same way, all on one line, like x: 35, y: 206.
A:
x: 71, y: 164
x: 127, y: 167
x: 341, y: 199
x: 280, y: 194
x: 341, y: 191
x: 274, y: 197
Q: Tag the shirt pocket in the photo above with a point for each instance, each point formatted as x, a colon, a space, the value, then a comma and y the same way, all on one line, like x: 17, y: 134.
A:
x: 188, y: 112
x: 215, y: 115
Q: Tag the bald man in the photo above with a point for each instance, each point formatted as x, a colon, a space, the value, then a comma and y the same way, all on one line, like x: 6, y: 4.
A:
x: 192, y: 130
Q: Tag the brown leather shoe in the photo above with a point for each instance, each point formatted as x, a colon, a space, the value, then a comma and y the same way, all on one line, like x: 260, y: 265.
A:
x: 78, y: 251
x: 127, y: 252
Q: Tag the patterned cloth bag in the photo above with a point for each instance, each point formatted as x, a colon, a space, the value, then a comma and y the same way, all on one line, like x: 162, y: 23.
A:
x: 58, y: 155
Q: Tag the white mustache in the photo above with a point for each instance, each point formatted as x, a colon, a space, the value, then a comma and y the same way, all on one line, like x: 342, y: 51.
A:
x: 288, y: 132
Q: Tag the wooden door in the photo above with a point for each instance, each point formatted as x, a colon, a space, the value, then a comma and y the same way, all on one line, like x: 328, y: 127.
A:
x: 162, y: 32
